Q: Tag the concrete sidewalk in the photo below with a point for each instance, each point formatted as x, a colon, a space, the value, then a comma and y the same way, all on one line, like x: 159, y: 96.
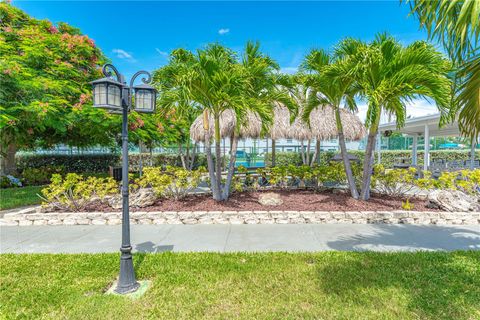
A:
x: 229, y: 238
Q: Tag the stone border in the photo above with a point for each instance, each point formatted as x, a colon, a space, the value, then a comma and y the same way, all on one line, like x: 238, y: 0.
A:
x: 28, y: 217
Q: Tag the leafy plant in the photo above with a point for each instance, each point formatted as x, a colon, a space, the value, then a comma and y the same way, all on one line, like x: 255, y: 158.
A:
x: 393, y: 182
x: 172, y: 182
x: 467, y: 181
x: 42, y: 175
x: 74, y: 192
x: 9, y: 181
x: 407, y: 205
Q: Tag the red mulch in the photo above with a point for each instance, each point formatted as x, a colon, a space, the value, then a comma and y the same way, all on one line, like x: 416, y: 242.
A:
x: 292, y: 200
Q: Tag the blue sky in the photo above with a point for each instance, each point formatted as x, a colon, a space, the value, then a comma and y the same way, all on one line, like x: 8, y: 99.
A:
x: 139, y: 35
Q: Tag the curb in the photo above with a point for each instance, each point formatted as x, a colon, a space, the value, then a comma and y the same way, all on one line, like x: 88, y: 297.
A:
x: 29, y: 217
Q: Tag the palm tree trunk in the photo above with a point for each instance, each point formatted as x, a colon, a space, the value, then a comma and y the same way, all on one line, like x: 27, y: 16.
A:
x: 218, y: 154
x: 187, y: 155
x: 316, y: 153
x: 194, y: 153
x: 231, y: 167
x: 273, y: 152
x: 307, y: 154
x: 182, y: 156
x: 346, y: 161
x: 368, y: 163
x: 302, y: 151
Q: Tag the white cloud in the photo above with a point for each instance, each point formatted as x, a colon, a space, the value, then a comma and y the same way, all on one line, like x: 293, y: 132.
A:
x: 122, y: 54
x: 416, y: 108
x: 223, y: 31
x: 289, y: 70
x: 162, y: 53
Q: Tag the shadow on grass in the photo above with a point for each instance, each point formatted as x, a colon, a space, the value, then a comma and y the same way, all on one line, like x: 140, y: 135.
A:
x: 433, y: 286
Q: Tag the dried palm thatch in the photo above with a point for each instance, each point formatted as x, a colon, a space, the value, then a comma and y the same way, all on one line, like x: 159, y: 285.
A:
x: 251, y: 128
x: 322, y: 125
x: 281, y: 123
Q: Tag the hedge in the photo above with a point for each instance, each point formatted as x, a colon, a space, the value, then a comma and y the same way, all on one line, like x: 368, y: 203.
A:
x: 71, y: 163
x: 388, y: 157
x: 101, y: 162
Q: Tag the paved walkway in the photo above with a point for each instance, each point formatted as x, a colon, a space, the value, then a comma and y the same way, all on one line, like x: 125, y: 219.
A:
x: 228, y: 238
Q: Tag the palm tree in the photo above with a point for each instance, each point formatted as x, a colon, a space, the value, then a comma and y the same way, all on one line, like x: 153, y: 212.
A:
x: 214, y: 81
x: 456, y: 24
x: 175, y: 102
x: 388, y: 75
x: 299, y: 91
x: 329, y: 86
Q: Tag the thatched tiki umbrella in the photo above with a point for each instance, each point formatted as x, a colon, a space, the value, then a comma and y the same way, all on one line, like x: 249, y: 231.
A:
x: 322, y: 127
x: 228, y: 121
x: 203, y: 128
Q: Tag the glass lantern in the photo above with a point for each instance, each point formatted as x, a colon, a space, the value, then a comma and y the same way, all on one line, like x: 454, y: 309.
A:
x: 145, y: 98
x: 107, y: 94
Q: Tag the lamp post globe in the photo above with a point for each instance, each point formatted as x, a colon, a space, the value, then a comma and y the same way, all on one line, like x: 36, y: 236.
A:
x: 114, y: 95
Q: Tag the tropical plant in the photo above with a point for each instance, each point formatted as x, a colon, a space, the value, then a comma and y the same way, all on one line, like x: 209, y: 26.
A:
x: 456, y: 24
x: 393, y: 182
x: 171, y: 182
x: 301, y: 95
x: 75, y: 192
x: 330, y: 87
x: 177, y: 107
x: 387, y: 76
x: 467, y: 181
x: 44, y: 90
x: 214, y: 81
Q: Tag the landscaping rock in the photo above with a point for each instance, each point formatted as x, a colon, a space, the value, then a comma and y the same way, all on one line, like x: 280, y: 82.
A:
x: 142, y: 198
x: 452, y: 200
x: 270, y: 199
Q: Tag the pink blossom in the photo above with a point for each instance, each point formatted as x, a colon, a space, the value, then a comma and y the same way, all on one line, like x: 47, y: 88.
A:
x: 7, y: 71
x: 30, y: 131
x: 52, y: 29
x: 8, y: 29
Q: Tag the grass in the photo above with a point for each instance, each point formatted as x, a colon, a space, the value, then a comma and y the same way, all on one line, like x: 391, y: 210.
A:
x: 17, y: 197
x: 329, y: 285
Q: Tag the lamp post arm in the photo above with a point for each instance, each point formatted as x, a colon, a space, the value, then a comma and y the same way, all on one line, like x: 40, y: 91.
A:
x: 107, y: 71
x: 145, y: 80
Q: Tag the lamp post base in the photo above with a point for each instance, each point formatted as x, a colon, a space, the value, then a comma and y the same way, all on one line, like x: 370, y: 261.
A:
x: 126, y: 281
x: 138, y: 293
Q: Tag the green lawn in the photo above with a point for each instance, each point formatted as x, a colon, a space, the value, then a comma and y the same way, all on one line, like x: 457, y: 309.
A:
x: 330, y: 285
x: 18, y: 197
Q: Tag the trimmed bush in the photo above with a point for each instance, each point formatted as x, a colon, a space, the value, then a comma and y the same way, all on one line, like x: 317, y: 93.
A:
x: 71, y: 163
x: 389, y: 157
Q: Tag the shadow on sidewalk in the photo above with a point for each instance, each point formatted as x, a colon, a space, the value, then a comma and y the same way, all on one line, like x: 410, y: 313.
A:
x: 410, y: 238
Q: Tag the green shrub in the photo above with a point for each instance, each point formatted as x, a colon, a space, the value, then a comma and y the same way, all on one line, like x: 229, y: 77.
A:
x: 393, y: 182
x: 171, y: 182
x: 98, y: 163
x: 71, y: 163
x: 40, y: 176
x: 75, y: 192
x: 304, y: 176
x: 467, y: 181
x: 388, y: 157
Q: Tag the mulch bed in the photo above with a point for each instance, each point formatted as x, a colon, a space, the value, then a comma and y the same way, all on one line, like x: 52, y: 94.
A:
x: 301, y: 200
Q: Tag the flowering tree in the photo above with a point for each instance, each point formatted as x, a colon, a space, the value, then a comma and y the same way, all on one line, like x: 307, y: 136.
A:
x: 44, y: 92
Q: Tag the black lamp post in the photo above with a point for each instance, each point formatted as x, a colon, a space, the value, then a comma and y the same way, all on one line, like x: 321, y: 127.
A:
x: 116, y: 96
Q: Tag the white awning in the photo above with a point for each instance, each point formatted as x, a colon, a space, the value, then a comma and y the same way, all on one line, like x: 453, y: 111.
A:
x: 416, y: 126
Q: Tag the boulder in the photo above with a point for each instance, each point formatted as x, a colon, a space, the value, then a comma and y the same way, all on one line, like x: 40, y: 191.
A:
x: 270, y: 199
x: 141, y: 198
x: 452, y: 200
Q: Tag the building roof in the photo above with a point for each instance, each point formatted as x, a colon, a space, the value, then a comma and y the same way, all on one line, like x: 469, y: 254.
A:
x: 417, y: 126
